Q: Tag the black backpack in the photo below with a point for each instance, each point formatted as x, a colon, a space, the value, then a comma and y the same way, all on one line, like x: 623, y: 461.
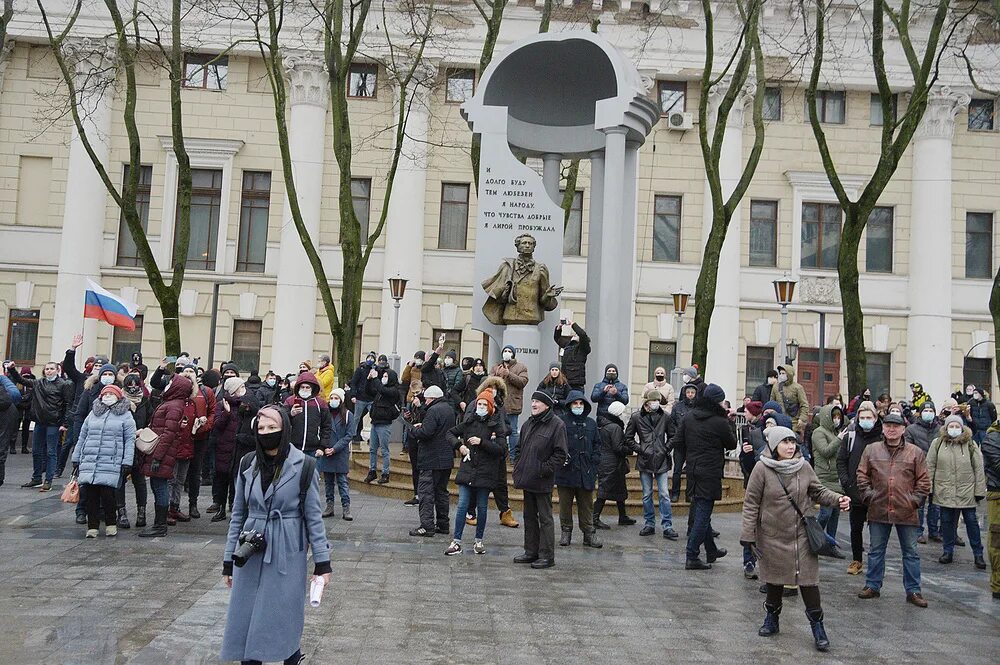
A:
x: 305, y: 480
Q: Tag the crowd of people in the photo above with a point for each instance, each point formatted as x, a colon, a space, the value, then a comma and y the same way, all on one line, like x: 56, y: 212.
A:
x: 903, y: 465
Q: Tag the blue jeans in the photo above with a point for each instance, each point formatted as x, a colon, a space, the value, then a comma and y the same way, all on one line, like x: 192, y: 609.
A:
x: 160, y: 487
x: 666, y: 514
x: 360, y: 408
x: 949, y: 529
x: 45, y: 451
x: 700, y: 529
x: 335, y: 482
x: 379, y: 439
x: 933, y: 518
x: 514, y: 437
x: 466, y: 496
x: 829, y: 519
x: 878, y: 533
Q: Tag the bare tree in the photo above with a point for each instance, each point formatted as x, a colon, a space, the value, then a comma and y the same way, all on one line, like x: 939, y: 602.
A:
x: 896, y: 136
x: 492, y: 13
x: 6, y: 14
x: 731, y: 81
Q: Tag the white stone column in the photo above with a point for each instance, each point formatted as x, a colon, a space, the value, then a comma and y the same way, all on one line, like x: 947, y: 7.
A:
x: 723, y: 340
x: 551, y: 165
x: 404, y: 231
x: 295, y: 298
x: 608, y: 346
x: 595, y: 246
x: 624, y: 303
x: 85, y: 207
x: 930, y: 234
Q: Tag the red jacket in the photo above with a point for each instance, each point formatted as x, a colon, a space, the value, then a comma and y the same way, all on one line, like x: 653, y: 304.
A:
x: 172, y: 421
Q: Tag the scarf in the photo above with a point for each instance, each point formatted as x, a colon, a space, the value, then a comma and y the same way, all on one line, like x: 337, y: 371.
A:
x: 784, y: 467
x: 543, y: 417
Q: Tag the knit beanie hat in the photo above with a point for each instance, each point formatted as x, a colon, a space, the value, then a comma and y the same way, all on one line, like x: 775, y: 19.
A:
x: 211, y: 379
x: 692, y: 372
x: 434, y: 392
x: 112, y: 390
x: 954, y: 419
x: 714, y: 393
x: 616, y: 409
x: 232, y: 384
x: 488, y: 397
x: 544, y: 398
x: 339, y: 392
x: 867, y: 406
x: 553, y: 366
x: 949, y: 404
x: 929, y: 405
x: 269, y: 414
x: 307, y: 364
x: 776, y: 435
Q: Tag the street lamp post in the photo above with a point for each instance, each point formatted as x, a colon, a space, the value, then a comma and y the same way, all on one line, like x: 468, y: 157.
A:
x: 215, y: 320
x: 784, y: 290
x: 397, y: 288
x: 680, y: 306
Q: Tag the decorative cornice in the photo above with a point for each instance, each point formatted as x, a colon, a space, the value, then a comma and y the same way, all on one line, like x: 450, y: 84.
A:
x: 91, y: 58
x: 198, y: 147
x: 817, y: 181
x: 307, y: 73
x: 943, y: 104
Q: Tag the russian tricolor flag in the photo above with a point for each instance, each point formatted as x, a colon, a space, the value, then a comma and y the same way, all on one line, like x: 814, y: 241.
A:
x: 101, y: 305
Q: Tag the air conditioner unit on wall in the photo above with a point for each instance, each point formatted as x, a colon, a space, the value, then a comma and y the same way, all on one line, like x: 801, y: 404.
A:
x: 679, y: 120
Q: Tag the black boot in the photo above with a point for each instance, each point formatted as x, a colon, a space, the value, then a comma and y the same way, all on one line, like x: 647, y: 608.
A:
x: 591, y: 540
x: 819, y: 632
x: 123, y: 519
x: 567, y: 536
x: 770, y: 626
x: 140, y: 517
x: 193, y: 510
x: 159, y: 527
x: 598, y: 524
x: 220, y: 514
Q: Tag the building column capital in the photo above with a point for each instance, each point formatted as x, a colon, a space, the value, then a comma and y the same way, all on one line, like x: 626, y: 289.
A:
x: 425, y: 75
x: 744, y: 97
x: 308, y: 76
x: 943, y: 104
x: 93, y: 60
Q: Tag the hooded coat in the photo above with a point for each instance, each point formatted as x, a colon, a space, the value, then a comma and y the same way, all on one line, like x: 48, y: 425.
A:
x: 385, y: 407
x: 583, y: 449
x: 311, y: 427
x: 983, y: 414
x: 325, y: 376
x: 704, y: 436
x: 793, y: 399
x: 267, y: 602
x: 991, y: 458
x: 481, y: 470
x: 602, y: 397
x: 89, y: 394
x: 613, y: 466
x: 956, y: 470
x: 106, y: 443
x: 826, y: 445
x: 770, y: 521
x: 172, y: 421
x: 654, y: 430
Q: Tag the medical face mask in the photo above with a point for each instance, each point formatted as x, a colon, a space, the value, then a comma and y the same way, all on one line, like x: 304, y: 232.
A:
x: 782, y: 377
x: 481, y: 411
x: 335, y: 403
x: 448, y: 362
x: 653, y: 406
x: 577, y: 410
x: 866, y: 425
x: 508, y: 356
x: 954, y: 432
x: 305, y: 392
x: 107, y: 379
x: 109, y: 400
x: 927, y: 416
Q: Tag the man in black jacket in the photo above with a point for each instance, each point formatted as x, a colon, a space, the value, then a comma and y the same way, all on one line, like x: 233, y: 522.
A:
x: 384, y: 386
x: 865, y: 430
x: 543, y: 449
x: 51, y: 403
x: 762, y: 393
x: 705, y: 435
x: 360, y: 397
x: 435, y: 459
x: 575, y: 350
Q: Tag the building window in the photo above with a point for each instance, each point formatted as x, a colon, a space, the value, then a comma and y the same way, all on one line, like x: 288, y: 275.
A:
x: 772, y: 104
x: 246, y: 344
x: 126, y: 342
x: 34, y: 191
x: 667, y: 229
x: 764, y: 233
x: 760, y: 359
x: 128, y: 254
x: 206, y: 201
x: 202, y: 70
x: 22, y: 336
x: 672, y: 95
x: 461, y: 85
x: 831, y: 106
x: 982, y: 114
x: 452, y: 340
x: 978, y: 372
x: 254, y: 208
x: 979, y: 245
x: 879, y: 377
x: 662, y: 354
x: 878, y: 243
x: 454, y: 225
x: 820, y: 235
x: 362, y: 80
x: 361, y: 196
x: 875, y: 115
x: 573, y: 234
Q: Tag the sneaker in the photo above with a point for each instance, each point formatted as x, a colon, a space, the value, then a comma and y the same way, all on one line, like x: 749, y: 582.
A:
x: 111, y: 531
x: 415, y: 501
x: 46, y: 486
x: 329, y: 510
x: 453, y: 549
x: 855, y: 568
x: 91, y: 533
x: 479, y: 548
x: 422, y: 532
x: 670, y: 534
x: 346, y: 514
x: 371, y: 477
x: 33, y: 483
x: 384, y: 479
x: 916, y: 599
x: 750, y: 571
x: 922, y: 539
x: 647, y: 531
x: 868, y: 593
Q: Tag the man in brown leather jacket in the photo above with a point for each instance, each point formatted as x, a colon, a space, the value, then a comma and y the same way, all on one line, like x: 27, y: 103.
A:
x: 893, y: 482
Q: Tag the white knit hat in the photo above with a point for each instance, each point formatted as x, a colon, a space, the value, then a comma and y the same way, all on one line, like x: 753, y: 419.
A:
x: 232, y: 384
x: 616, y: 409
x: 434, y: 392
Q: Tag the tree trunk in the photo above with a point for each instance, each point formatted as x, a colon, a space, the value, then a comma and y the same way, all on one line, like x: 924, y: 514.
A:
x: 995, y: 313
x: 854, y: 323
x: 708, y: 278
x: 493, y: 22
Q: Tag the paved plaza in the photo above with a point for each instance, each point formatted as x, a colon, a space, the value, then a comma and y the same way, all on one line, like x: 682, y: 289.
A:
x: 396, y: 599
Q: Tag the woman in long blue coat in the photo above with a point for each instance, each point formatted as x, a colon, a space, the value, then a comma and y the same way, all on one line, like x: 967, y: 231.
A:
x: 267, y: 604
x: 333, y: 459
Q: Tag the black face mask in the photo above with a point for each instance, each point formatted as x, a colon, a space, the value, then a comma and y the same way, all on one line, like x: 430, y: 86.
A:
x: 612, y: 378
x: 269, y: 441
x: 660, y: 377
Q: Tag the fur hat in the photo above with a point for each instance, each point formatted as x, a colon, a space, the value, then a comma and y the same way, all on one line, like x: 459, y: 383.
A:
x: 653, y: 395
x: 232, y: 384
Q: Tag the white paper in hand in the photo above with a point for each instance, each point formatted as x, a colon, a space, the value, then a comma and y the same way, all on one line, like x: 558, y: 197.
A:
x: 316, y: 591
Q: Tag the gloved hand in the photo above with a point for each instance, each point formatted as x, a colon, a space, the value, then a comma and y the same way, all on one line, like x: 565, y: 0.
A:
x: 126, y: 469
x: 979, y: 498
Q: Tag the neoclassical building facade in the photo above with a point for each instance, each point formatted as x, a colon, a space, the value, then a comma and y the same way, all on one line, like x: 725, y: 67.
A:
x: 927, y: 259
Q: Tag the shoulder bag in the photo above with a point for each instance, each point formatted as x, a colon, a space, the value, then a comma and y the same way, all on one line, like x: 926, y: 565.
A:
x: 819, y: 543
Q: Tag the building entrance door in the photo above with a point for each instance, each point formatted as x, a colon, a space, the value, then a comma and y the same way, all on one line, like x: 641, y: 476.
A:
x: 808, y: 373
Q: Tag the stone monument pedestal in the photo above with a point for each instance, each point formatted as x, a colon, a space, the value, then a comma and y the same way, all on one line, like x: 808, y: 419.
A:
x: 527, y: 342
